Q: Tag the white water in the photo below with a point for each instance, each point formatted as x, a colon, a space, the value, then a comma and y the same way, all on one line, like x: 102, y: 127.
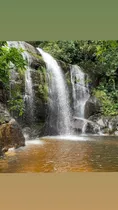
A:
x: 84, y: 128
x: 66, y: 138
x: 60, y: 114
x: 80, y: 91
x: 28, y: 81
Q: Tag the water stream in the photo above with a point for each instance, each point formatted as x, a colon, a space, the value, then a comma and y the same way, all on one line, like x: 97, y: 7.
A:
x: 80, y: 90
x: 63, y: 152
x: 59, y: 107
x: 28, y: 97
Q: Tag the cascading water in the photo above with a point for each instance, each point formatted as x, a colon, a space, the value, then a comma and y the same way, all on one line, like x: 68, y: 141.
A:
x: 28, y: 98
x: 80, y: 91
x: 59, y: 109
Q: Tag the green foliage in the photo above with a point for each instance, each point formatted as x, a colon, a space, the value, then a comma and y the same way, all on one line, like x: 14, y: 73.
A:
x: 16, y: 103
x: 36, y: 56
x: 99, y: 59
x: 107, y: 53
x: 43, y: 87
x: 2, y: 120
x: 93, y: 56
x: 9, y: 56
x: 12, y: 57
x: 88, y: 81
x: 109, y: 108
x: 43, y: 90
x: 68, y: 79
x: 62, y: 50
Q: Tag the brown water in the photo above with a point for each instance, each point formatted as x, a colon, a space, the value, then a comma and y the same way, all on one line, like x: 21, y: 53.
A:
x: 99, y: 154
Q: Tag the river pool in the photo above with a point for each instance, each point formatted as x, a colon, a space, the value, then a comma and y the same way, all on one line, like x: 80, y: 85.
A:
x: 63, y: 154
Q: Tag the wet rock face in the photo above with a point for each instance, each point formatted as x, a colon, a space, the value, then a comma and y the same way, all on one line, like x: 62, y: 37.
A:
x: 4, y: 114
x: 92, y: 107
x: 40, y: 89
x: 91, y: 127
x: 10, y: 131
x: 109, y: 125
x: 113, y: 124
x: 36, y: 61
x: 3, y: 94
x: 85, y: 126
x: 18, y: 82
x: 35, y: 131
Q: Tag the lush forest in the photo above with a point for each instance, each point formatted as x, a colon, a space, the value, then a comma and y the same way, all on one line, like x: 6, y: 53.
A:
x: 58, y: 90
x: 98, y: 58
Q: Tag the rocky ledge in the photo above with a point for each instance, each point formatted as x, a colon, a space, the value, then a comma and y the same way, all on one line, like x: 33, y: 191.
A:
x: 10, y: 132
x: 108, y: 124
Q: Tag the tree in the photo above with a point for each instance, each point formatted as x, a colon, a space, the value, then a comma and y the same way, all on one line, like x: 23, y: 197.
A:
x: 12, y: 56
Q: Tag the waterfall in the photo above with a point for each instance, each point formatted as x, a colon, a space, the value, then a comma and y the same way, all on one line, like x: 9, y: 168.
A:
x: 80, y: 91
x: 28, y: 98
x: 59, y: 108
x: 84, y: 128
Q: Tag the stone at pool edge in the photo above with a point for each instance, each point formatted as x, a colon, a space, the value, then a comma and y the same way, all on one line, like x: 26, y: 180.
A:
x: 116, y: 133
x: 11, y: 136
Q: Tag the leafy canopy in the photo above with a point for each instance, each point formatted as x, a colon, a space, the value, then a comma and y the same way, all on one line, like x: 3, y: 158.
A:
x: 10, y: 56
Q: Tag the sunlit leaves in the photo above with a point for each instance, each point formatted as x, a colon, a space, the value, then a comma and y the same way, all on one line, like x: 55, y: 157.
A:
x: 109, y: 107
x: 8, y: 56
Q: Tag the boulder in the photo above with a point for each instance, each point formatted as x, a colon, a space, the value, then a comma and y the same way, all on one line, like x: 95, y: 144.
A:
x: 116, y: 133
x: 92, y: 107
x: 90, y: 127
x: 11, y: 135
x: 108, y: 124
x: 10, y: 131
x: 101, y: 122
x: 113, y: 124
x: 85, y: 126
